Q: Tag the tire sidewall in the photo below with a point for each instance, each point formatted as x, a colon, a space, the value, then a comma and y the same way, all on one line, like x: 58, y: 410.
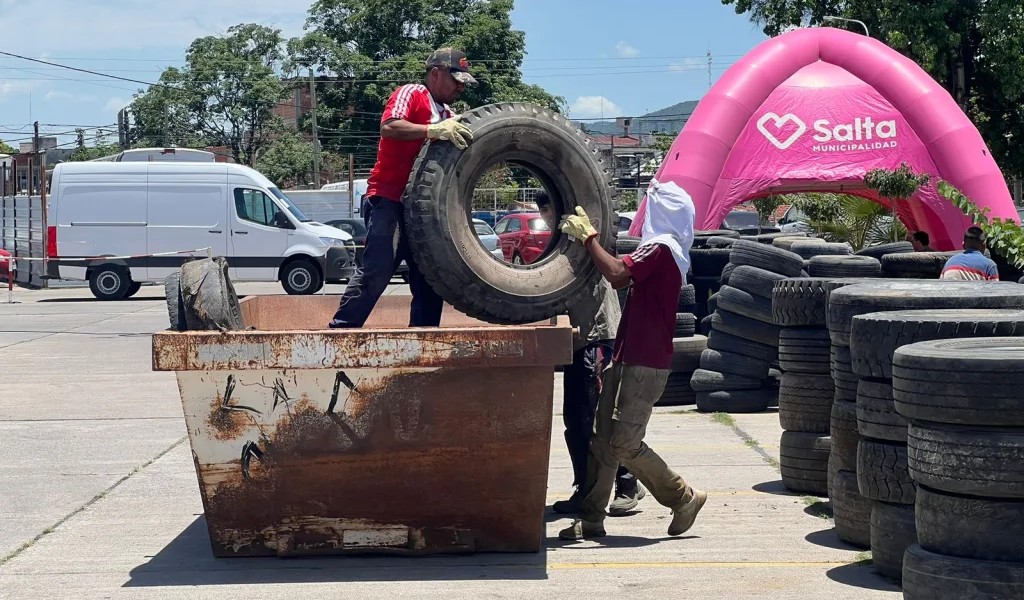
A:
x: 109, y: 282
x: 298, y: 272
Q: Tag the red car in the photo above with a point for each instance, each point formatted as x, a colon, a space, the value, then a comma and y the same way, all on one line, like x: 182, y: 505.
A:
x: 523, y: 237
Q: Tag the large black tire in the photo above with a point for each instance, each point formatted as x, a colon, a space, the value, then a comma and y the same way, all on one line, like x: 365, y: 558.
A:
x: 880, y: 250
x: 133, y: 289
x: 175, y: 303
x: 851, y: 512
x: 626, y: 244
x: 843, y: 376
x: 848, y: 302
x: 686, y: 352
x: 210, y: 300
x: 109, y: 282
x: 301, y: 277
x: 701, y: 237
x: 803, y: 461
x: 687, y: 296
x: 727, y: 342
x: 766, y: 257
x: 768, y: 238
x: 677, y: 391
x: 686, y: 325
x: 882, y: 472
x: 704, y: 380
x: 930, y: 576
x: 874, y: 337
x: 805, y: 402
x: 734, y: 364
x: 708, y: 262
x: 812, y: 248
x: 844, y: 266
x: 740, y: 326
x: 736, y: 401
x: 968, y: 382
x: 799, y: 302
x: 915, y: 265
x: 746, y: 304
x: 439, y: 197
x: 876, y: 412
x: 727, y: 273
x: 785, y: 242
x: 705, y: 326
x: 971, y: 460
x: 805, y: 350
x: 892, y: 532
x: 719, y: 241
x: 754, y: 280
x: 978, y: 528
x: 845, y: 437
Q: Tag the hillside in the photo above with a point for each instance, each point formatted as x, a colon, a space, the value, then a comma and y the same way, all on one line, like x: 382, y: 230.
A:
x: 670, y: 120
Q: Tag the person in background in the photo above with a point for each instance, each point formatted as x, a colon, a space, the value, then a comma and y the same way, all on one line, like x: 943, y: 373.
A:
x: 414, y: 113
x: 641, y: 361
x: 597, y: 319
x: 920, y: 241
x: 971, y: 264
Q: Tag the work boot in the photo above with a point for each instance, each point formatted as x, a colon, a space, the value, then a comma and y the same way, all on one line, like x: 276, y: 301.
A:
x: 570, y: 506
x: 627, y: 497
x: 580, y: 530
x: 683, y: 518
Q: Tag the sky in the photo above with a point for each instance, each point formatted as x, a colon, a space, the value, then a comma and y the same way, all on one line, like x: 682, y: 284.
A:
x: 610, y: 59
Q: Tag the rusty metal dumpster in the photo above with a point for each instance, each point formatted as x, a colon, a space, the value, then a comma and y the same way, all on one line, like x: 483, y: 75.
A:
x: 385, y: 439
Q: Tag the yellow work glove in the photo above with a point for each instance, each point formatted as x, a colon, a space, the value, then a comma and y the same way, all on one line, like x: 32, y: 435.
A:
x: 452, y: 131
x: 578, y: 225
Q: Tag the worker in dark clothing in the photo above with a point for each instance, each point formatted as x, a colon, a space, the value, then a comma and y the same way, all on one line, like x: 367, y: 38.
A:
x: 920, y: 241
x: 597, y: 318
x: 414, y: 113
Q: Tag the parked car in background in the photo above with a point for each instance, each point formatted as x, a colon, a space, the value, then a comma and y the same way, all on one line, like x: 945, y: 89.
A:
x: 794, y: 220
x: 355, y: 228
x: 488, y: 238
x: 626, y: 220
x: 747, y: 222
x: 523, y: 237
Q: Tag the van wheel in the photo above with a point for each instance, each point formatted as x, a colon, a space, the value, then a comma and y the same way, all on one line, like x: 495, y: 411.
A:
x: 110, y: 282
x: 301, y: 277
x: 133, y: 289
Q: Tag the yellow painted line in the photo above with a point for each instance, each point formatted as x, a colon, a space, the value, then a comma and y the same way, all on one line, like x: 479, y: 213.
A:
x: 693, y: 565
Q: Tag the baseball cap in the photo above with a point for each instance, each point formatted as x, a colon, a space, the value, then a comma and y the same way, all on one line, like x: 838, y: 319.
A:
x: 453, y: 60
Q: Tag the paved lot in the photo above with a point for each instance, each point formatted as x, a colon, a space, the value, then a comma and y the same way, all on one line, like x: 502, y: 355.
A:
x: 98, y: 495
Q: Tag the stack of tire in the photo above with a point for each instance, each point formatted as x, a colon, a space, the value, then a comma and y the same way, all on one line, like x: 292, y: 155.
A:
x: 881, y: 468
x: 686, y: 350
x: 915, y: 265
x: 806, y: 390
x: 965, y: 408
x: 709, y: 256
x: 743, y: 339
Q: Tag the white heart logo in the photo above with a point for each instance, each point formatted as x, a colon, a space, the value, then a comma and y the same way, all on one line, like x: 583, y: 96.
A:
x: 778, y: 123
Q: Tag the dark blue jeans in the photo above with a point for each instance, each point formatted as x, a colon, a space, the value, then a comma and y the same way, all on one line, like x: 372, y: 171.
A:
x: 386, y: 247
x: 581, y: 390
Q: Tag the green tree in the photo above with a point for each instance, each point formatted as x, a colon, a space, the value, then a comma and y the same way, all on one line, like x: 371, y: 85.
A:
x: 971, y: 47
x: 288, y: 161
x: 766, y: 207
x: 6, y: 148
x: 895, y: 185
x: 373, y: 46
x: 224, y: 95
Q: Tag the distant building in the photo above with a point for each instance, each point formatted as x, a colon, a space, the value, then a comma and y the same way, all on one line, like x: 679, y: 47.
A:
x: 630, y: 155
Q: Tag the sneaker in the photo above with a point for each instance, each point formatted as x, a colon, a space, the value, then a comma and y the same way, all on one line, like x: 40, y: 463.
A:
x: 580, y: 530
x: 626, y: 499
x: 570, y: 506
x: 683, y: 518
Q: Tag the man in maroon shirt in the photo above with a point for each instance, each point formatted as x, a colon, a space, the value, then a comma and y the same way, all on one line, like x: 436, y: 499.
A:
x: 640, y: 362
x: 414, y: 113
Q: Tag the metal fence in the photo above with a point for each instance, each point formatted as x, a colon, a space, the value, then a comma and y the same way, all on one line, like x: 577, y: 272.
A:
x: 491, y: 204
x: 23, y: 234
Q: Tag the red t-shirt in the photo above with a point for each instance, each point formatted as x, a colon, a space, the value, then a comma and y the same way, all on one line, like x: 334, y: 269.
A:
x: 412, y: 103
x: 649, y: 319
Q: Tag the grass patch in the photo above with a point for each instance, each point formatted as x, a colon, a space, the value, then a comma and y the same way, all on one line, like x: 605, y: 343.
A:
x: 810, y: 500
x: 817, y: 508
x: 723, y: 419
x: 864, y: 556
x: 681, y: 411
x: 752, y: 443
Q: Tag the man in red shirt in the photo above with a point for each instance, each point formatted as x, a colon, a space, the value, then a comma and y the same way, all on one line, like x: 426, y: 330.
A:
x: 641, y: 361
x: 414, y: 113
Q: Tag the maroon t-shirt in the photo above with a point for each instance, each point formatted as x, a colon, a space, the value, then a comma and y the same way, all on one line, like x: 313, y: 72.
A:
x: 649, y: 320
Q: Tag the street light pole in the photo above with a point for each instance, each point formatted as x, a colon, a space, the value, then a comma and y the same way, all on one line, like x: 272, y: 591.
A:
x: 861, y: 23
x: 316, y: 137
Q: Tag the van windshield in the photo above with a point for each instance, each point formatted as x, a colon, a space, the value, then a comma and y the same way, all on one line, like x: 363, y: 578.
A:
x: 302, y: 218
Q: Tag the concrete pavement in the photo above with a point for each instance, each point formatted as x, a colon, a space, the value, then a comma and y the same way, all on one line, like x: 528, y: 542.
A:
x: 99, y: 499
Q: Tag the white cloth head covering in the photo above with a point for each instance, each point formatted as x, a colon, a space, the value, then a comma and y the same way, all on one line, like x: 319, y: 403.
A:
x: 669, y: 222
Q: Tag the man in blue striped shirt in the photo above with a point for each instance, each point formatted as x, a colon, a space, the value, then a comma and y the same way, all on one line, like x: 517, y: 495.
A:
x: 971, y: 264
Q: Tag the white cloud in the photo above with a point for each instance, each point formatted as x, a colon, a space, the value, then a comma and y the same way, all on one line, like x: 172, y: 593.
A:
x: 594, y: 107
x: 13, y: 87
x: 688, y: 65
x: 625, y: 50
x: 63, y: 96
x: 115, y: 104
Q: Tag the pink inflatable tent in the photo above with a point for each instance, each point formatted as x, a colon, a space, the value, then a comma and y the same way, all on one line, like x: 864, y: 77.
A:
x: 814, y: 110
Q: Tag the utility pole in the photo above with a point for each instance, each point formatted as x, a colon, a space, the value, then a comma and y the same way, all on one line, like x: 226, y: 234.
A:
x: 316, y: 137
x: 352, y: 183
x: 709, y: 66
x: 35, y: 150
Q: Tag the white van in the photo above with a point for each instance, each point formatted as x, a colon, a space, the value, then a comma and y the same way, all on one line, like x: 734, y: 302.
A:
x: 138, y: 209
